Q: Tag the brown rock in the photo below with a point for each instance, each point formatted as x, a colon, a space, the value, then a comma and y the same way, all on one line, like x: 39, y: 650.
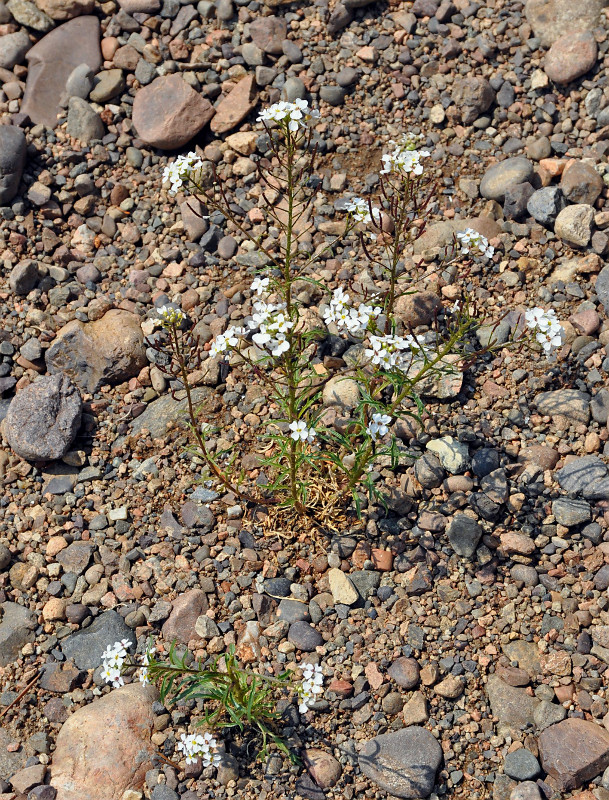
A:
x: 581, y: 183
x: 574, y: 752
x: 417, y: 309
x: 472, y: 96
x: 451, y: 687
x: 51, y: 62
x: 168, y: 112
x: 539, y: 454
x: 235, y: 107
x: 27, y: 778
x: 268, y: 34
x: 62, y: 10
x: 109, y: 350
x: 104, y: 748
x: 186, y: 609
x: 323, y: 767
x: 551, y: 19
x: 405, y: 672
x: 60, y: 678
x: 571, y: 56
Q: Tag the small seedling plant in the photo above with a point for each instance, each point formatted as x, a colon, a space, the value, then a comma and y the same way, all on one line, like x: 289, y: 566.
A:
x: 280, y: 345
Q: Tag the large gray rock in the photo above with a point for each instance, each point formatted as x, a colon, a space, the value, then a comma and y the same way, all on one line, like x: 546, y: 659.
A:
x: 16, y: 630
x: 51, y: 62
x: 512, y: 706
x: 13, y: 148
x: 503, y: 176
x: 168, y: 112
x: 464, y: 534
x: 545, y: 204
x: 84, y: 123
x: 85, y: 647
x: 43, y: 418
x: 570, y: 403
x: 108, y: 350
x: 403, y: 763
x: 13, y: 47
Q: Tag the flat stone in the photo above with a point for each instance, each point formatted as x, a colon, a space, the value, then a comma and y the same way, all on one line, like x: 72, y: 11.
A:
x: 108, y: 350
x: 452, y: 454
x: 28, y: 14
x: 235, y: 107
x: 75, y: 557
x: 52, y: 60
x: 185, y: 611
x: 323, y: 767
x: 268, y: 33
x: 521, y: 765
x: 570, y: 403
x: 341, y: 587
x: 43, y: 418
x: 304, y: 636
x: 85, y: 647
x: 60, y: 677
x: 104, y: 749
x: 574, y: 752
x: 403, y: 763
x: 168, y: 112
x: 504, y: 175
x: 574, y: 224
x: 17, y: 627
x: 107, y: 85
x: 571, y: 512
x: 512, y: 706
x: 581, y: 183
x: 441, y: 234
x: 579, y: 473
x: 161, y: 412
x: 13, y: 148
x: 62, y: 10
x: 464, y: 535
x: 84, y: 123
x: 25, y: 779
x: 571, y: 56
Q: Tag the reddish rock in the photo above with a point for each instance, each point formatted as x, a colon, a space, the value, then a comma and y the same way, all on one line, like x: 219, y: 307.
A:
x: 323, y: 767
x: 104, y: 748
x: 186, y: 609
x: 574, y: 752
x: 382, y: 559
x: 268, y: 34
x: 51, y: 62
x: 405, y: 672
x: 581, y: 183
x: 540, y: 455
x: 168, y: 112
x: 341, y: 688
x: 235, y: 107
x: 417, y: 309
x: 571, y: 56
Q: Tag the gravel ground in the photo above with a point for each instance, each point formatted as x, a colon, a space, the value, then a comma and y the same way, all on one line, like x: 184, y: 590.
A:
x: 474, y: 616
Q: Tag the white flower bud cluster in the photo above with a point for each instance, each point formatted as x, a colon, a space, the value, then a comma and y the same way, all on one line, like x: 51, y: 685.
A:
x: 346, y: 316
x: 195, y: 746
x: 548, y: 330
x: 294, y: 116
x: 311, y: 686
x: 181, y: 170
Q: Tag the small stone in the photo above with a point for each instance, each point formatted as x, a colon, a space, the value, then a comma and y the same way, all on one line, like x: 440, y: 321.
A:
x: 571, y: 512
x: 464, y: 535
x: 571, y: 56
x: 323, y: 767
x: 25, y: 275
x: 516, y: 199
x: 25, y: 779
x: 513, y: 706
x: 574, y: 224
x: 268, y: 33
x: 415, y: 711
x: 451, y: 687
x: 405, y: 672
x: 504, y: 175
x: 521, y: 765
x: 341, y: 587
x: 235, y: 107
x: 570, y: 403
x: 545, y: 204
x: 525, y: 791
x: 403, y: 763
x: 107, y: 85
x: 28, y: 14
x: 186, y: 610
x: 304, y: 637
x: 579, y: 473
x: 84, y: 123
x: 581, y: 183
x: 17, y: 627
x: 452, y: 454
x: 13, y: 47
x: 13, y: 147
x: 473, y: 96
x: 85, y: 647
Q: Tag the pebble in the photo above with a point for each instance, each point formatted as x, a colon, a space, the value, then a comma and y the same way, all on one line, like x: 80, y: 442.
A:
x: 545, y: 204
x: 503, y: 176
x: 574, y: 224
x: 571, y: 56
x: 521, y: 765
x: 403, y: 763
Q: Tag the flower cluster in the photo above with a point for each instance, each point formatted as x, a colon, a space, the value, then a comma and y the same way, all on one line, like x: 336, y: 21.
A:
x: 113, y: 660
x: 230, y: 338
x: 345, y: 316
x: 196, y: 746
x: 475, y: 243
x: 360, y: 211
x: 170, y: 316
x: 390, y: 351
x: 311, y: 686
x: 300, y: 431
x: 291, y: 116
x: 273, y: 325
x: 378, y: 426
x: 181, y: 170
x: 548, y: 330
x: 405, y: 159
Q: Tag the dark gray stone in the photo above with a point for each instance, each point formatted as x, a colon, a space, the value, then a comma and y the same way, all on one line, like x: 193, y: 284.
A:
x: 85, y: 647
x: 428, y: 471
x: 16, y: 630
x: 571, y: 512
x: 601, y: 287
x: 464, y: 534
x: 521, y: 765
x: 516, y: 199
x: 24, y: 276
x: 403, y: 763
x: 304, y: 636
x: 84, y: 123
x: 13, y: 148
x: 484, y: 461
x: 545, y: 204
x: 580, y: 473
x: 43, y: 418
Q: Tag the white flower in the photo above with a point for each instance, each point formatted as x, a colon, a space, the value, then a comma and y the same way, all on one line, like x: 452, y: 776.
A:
x: 547, y: 328
x: 300, y: 431
x: 378, y: 427
x: 345, y: 316
x: 143, y: 673
x: 180, y: 170
x: 230, y: 338
x: 360, y: 211
x: 475, y: 243
x: 311, y: 686
x: 273, y: 326
x: 196, y: 746
x: 405, y: 159
x: 170, y: 316
x: 259, y: 285
x: 393, y: 352
x: 291, y: 116
x: 113, y: 659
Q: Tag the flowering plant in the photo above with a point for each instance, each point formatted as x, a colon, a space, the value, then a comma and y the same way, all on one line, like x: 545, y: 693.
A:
x: 233, y: 698
x: 385, y: 361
